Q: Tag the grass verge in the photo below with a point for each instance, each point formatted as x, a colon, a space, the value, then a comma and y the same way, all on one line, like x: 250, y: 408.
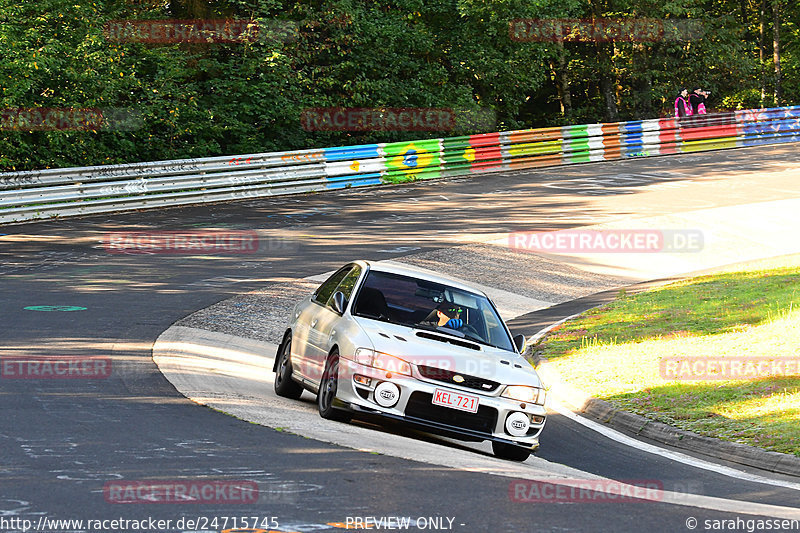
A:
x: 618, y: 352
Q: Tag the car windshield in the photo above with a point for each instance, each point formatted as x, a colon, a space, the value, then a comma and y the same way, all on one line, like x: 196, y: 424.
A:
x: 427, y: 305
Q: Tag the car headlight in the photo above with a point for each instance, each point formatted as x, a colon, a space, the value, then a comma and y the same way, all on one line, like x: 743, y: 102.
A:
x: 523, y: 393
x: 384, y: 361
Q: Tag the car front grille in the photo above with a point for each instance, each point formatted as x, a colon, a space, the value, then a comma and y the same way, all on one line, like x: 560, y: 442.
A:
x: 446, y: 376
x: 420, y: 406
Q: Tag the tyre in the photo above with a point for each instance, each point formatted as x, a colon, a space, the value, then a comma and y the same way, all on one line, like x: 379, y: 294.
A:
x: 327, y: 391
x: 510, y: 452
x: 284, y: 384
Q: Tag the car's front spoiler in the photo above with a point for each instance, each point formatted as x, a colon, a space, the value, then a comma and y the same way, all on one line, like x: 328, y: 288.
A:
x: 437, y: 427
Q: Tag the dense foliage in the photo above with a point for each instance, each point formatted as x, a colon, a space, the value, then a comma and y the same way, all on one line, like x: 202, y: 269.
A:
x: 194, y: 99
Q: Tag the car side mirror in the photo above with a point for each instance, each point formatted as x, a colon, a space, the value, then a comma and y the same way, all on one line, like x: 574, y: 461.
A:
x: 339, y: 302
x: 519, y: 342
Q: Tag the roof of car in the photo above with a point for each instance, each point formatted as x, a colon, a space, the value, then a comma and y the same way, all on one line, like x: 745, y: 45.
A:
x: 417, y: 272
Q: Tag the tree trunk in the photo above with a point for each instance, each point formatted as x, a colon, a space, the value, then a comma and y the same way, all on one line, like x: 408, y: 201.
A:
x: 643, y: 82
x: 776, y: 49
x: 762, y: 52
x: 562, y: 77
x: 607, y: 85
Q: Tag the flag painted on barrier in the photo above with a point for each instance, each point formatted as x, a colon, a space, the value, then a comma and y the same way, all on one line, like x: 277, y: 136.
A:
x: 412, y: 160
x: 708, y: 132
x: 486, y: 154
x: 768, y: 126
x: 353, y: 166
x: 534, y: 148
x: 457, y: 156
x: 631, y: 141
x: 650, y: 137
x: 612, y: 138
x: 583, y: 143
x: 669, y: 140
x: 472, y: 154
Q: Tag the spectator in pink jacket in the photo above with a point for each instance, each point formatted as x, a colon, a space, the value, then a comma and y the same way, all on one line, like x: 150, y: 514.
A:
x: 697, y: 101
x: 682, y: 107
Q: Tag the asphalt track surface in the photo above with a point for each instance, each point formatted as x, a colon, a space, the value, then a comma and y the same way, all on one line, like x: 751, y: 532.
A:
x: 64, y: 439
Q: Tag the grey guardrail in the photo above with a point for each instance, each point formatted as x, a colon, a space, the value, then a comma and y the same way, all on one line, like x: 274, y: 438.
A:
x: 80, y: 191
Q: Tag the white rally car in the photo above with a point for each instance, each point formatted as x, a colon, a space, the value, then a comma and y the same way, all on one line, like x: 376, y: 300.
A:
x: 407, y: 345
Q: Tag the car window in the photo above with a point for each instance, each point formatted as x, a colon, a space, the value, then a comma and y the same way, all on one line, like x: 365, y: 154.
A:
x: 346, y: 285
x: 414, y: 302
x: 326, y: 290
x: 495, y: 331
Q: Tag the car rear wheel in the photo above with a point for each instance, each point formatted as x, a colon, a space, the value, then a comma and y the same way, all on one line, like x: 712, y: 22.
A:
x: 327, y: 391
x: 284, y: 384
x: 510, y: 452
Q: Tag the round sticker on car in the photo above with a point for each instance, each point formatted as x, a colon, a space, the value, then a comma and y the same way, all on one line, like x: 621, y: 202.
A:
x: 387, y: 394
x: 517, y: 424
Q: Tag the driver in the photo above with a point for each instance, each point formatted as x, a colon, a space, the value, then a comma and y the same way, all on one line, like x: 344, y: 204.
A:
x: 447, y: 315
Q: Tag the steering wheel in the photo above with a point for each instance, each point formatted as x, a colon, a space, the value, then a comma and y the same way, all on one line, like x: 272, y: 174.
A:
x: 469, y: 329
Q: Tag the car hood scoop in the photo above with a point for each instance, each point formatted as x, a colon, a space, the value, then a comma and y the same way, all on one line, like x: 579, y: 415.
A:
x: 449, y: 340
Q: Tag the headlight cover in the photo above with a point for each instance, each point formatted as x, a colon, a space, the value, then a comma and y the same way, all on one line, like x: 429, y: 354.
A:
x: 381, y: 360
x: 524, y: 393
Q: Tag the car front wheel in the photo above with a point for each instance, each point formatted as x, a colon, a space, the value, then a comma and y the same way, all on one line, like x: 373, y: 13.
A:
x: 327, y: 391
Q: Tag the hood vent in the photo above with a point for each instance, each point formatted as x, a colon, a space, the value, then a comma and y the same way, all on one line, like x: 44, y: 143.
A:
x: 449, y: 340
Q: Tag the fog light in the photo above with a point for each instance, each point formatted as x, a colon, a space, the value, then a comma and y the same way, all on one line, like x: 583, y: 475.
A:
x: 387, y: 394
x: 517, y: 424
x: 362, y: 380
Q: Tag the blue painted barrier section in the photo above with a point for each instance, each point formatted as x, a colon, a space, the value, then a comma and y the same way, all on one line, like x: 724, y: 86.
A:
x: 341, y: 182
x: 343, y: 153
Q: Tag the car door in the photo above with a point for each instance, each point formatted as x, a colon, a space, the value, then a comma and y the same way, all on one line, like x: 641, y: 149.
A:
x: 304, y: 333
x: 323, y: 328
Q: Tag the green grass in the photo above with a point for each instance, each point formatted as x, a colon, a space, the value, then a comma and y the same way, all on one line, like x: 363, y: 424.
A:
x: 614, y: 352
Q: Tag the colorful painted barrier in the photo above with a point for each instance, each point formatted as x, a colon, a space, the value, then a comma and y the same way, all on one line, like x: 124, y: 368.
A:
x: 79, y: 191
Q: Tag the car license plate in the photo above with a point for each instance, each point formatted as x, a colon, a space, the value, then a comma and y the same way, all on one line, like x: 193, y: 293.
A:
x: 456, y: 400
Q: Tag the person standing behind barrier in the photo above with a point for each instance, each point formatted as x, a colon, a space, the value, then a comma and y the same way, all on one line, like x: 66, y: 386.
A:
x: 682, y: 107
x: 697, y: 101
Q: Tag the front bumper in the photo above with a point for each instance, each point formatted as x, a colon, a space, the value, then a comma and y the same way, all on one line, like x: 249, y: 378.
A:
x: 415, y: 407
